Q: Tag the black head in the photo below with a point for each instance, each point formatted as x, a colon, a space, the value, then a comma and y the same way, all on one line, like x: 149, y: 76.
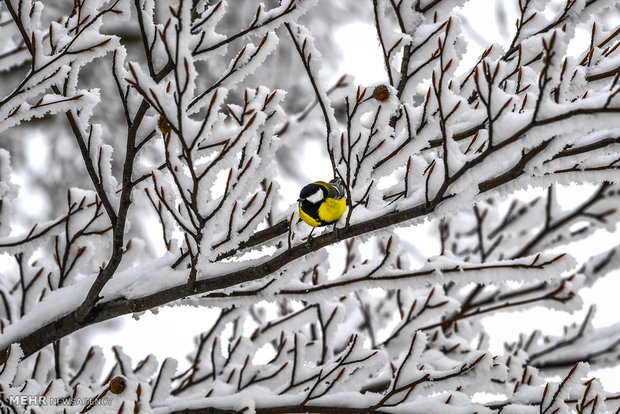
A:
x: 313, y: 194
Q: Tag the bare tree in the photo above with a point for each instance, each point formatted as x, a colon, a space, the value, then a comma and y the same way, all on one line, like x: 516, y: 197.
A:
x: 169, y: 116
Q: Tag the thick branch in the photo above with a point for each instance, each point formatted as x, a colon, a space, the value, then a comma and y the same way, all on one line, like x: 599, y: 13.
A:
x: 119, y: 226
x: 68, y: 323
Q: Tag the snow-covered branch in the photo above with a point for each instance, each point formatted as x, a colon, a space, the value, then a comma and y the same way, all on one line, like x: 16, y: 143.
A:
x: 190, y: 121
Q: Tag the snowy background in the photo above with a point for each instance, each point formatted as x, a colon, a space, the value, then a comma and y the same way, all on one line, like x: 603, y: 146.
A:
x: 359, y: 54
x: 45, y: 162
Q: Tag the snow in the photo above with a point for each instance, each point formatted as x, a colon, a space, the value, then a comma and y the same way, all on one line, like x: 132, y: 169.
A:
x: 332, y: 330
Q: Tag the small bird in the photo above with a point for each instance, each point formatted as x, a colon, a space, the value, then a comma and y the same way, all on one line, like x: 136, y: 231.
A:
x: 321, y: 203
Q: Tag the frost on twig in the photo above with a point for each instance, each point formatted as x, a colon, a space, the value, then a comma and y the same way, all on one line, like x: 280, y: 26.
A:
x: 177, y: 134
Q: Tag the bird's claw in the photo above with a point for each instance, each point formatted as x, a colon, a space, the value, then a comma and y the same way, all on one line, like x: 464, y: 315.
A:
x: 309, y: 240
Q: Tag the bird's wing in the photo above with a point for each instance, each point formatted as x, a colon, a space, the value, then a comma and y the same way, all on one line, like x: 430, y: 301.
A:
x: 332, y: 192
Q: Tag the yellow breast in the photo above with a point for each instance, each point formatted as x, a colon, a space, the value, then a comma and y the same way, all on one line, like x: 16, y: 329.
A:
x: 332, y: 209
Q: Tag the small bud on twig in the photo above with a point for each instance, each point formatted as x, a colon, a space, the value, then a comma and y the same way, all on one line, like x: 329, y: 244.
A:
x: 163, y: 125
x: 117, y: 385
x: 381, y: 93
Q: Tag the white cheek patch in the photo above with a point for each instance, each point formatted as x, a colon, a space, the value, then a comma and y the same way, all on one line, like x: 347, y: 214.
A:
x: 316, y: 197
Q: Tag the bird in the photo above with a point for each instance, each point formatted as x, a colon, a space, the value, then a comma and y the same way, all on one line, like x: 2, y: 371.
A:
x: 322, y: 203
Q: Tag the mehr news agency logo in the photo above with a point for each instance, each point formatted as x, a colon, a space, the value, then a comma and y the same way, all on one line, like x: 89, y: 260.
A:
x: 26, y: 400
x: 8, y: 402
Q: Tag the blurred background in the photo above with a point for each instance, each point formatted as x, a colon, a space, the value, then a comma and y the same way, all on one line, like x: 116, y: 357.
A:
x: 45, y: 163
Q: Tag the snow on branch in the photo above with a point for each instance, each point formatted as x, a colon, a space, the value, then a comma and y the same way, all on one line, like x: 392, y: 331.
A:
x: 185, y: 121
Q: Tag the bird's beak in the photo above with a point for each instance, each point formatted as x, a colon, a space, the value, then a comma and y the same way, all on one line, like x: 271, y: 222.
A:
x: 299, y: 200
